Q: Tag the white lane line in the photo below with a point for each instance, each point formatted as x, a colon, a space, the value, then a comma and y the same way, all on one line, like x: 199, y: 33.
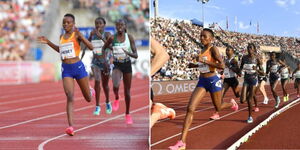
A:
x: 196, y: 111
x: 193, y: 128
x: 21, y: 93
x: 185, y: 113
x: 56, y: 114
x: 41, y: 146
x: 37, y: 106
x: 46, y: 90
x: 42, y: 105
x: 30, y: 99
x: 201, y: 125
x: 248, y: 135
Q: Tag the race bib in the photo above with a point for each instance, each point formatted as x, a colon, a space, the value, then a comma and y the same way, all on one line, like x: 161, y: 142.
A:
x: 119, y: 53
x: 249, y: 68
x: 204, y: 68
x: 226, y: 73
x: 297, y: 74
x: 285, y: 73
x: 67, y: 51
x: 97, y: 44
x: 274, y: 68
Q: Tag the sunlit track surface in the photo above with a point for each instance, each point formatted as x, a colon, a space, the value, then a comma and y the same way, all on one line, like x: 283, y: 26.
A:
x: 207, y: 134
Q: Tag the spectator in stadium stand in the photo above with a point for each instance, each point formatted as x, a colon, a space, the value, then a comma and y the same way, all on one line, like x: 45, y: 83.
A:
x: 273, y: 71
x: 252, y: 66
x: 158, y: 110
x: 98, y: 37
x: 72, y: 66
x: 123, y: 48
x: 173, y: 35
x: 209, y: 60
x: 296, y: 75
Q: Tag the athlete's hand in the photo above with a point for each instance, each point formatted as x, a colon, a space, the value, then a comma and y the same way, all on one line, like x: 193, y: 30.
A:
x: 42, y: 39
x: 126, y: 52
x: 200, y: 59
x: 192, y: 65
x: 96, y: 32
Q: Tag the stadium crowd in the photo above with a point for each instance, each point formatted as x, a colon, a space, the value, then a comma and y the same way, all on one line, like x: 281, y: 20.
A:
x: 20, y: 21
x: 135, y: 12
x: 182, y: 41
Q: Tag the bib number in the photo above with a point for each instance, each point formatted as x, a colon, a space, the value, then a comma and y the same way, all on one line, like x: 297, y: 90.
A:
x: 203, y: 68
x: 118, y: 52
x: 274, y: 68
x: 249, y: 68
x: 226, y: 73
x: 67, y: 51
x: 97, y: 44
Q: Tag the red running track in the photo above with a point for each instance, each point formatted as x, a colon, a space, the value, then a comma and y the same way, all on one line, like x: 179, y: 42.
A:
x: 210, y: 134
x: 32, y: 116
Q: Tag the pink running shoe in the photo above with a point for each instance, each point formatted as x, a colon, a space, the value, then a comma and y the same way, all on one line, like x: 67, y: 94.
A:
x: 128, y: 119
x: 178, y: 146
x: 256, y: 109
x: 215, y: 116
x: 116, y: 105
x: 235, y: 106
x: 70, y: 131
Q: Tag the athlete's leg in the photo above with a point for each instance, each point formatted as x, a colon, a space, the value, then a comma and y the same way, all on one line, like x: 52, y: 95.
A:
x: 68, y: 84
x: 85, y: 88
x: 195, y: 99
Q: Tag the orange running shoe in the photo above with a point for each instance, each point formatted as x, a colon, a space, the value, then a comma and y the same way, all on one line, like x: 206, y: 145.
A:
x: 164, y: 111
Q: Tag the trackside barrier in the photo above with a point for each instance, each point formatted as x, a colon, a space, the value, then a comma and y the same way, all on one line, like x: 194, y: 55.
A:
x: 245, y: 138
x: 26, y: 72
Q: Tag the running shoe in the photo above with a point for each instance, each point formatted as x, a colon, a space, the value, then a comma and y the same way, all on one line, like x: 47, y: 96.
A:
x: 97, y: 111
x: 164, y: 111
x: 235, y: 106
x: 250, y: 120
x: 108, y: 108
x: 215, y: 116
x: 116, y: 105
x: 277, y: 102
x: 128, y: 119
x: 256, y: 109
x: 284, y: 98
x: 178, y: 146
x: 266, y: 100
x: 70, y: 131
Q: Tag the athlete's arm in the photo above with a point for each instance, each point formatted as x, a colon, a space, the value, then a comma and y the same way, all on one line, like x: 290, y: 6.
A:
x: 260, y: 69
x: 107, y: 35
x: 44, y: 40
x: 235, y: 67
x: 79, y: 36
x: 216, y: 55
x: 133, y: 48
x: 160, y: 56
x: 268, y: 66
x: 242, y: 63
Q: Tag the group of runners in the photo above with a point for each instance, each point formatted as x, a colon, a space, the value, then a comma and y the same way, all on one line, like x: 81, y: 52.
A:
x: 110, y: 53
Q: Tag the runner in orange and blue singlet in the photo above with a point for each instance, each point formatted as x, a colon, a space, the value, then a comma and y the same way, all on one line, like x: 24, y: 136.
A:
x: 72, y: 67
x: 208, y: 61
